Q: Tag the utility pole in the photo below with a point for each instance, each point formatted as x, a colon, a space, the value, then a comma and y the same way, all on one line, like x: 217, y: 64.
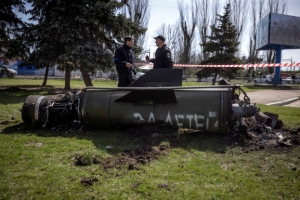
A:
x: 292, y: 63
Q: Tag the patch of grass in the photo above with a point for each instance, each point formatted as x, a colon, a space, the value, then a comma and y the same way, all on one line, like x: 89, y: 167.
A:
x: 194, y: 84
x: 55, y: 83
x: 75, y: 83
x: 42, y: 165
x: 253, y: 88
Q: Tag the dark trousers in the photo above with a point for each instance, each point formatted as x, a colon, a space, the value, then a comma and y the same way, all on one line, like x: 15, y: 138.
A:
x: 123, y: 79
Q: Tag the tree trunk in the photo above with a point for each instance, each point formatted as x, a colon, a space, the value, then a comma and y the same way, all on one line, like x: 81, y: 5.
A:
x: 250, y: 74
x: 187, y: 30
x: 67, y: 77
x: 85, y: 76
x: 46, y: 76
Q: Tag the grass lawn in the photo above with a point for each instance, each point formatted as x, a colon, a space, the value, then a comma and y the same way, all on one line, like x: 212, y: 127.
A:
x: 56, y: 83
x: 90, y: 164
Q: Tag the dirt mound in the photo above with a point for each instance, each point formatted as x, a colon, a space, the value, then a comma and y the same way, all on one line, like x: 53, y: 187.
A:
x: 131, y: 158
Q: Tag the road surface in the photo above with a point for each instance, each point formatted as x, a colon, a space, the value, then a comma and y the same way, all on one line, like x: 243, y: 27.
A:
x: 273, y: 96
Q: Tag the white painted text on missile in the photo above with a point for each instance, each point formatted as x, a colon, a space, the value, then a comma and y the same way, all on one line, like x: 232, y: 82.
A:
x: 193, y: 120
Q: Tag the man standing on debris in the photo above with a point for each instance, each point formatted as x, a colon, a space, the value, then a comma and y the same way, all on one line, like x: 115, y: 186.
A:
x: 124, y: 60
x: 163, y: 56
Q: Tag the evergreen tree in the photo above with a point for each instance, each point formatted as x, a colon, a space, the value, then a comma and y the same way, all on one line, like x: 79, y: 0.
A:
x: 10, y: 26
x: 223, y: 47
x: 77, y: 34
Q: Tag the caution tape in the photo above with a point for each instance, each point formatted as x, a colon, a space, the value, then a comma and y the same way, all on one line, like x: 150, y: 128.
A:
x: 232, y: 66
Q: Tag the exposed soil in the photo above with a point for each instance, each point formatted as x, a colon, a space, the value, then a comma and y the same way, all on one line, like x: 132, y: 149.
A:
x: 88, y: 181
x: 132, y: 158
x: 258, y: 136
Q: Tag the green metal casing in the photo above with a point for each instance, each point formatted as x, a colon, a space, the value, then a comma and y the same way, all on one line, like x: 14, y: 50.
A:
x: 196, y: 108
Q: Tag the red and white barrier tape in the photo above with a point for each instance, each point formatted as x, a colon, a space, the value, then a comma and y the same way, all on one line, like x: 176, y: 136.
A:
x: 233, y: 65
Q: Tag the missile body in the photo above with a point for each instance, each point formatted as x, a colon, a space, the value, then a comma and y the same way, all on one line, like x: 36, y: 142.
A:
x: 213, y: 109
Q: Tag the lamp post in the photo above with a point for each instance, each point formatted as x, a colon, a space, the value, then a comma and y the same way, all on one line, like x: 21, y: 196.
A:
x: 292, y: 63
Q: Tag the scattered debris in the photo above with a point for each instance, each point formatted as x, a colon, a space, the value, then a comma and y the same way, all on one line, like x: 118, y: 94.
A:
x: 257, y: 136
x: 74, y: 127
x: 37, y: 144
x: 261, y: 134
x: 165, y: 186
x: 134, y: 186
x: 88, y: 181
x: 285, y: 141
x: 6, y: 122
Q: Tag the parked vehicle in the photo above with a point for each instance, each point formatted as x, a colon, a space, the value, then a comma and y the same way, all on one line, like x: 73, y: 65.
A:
x: 289, y: 80
x: 209, y: 79
x: 24, y: 68
x: 206, y: 79
x: 219, y: 78
x: 6, y: 72
x: 263, y: 79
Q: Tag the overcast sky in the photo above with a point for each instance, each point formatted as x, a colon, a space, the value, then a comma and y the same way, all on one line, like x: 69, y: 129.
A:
x: 167, y: 12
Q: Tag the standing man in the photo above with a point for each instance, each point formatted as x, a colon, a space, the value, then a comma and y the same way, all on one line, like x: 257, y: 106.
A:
x: 163, y: 56
x: 293, y: 78
x: 124, y: 60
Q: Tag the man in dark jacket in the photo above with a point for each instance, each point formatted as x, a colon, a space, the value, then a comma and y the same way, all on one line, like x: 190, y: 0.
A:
x: 124, y: 60
x: 163, y: 56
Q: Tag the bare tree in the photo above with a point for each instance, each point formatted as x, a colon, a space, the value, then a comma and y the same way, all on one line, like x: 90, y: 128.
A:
x: 172, y: 35
x: 169, y: 32
x: 215, y: 11
x: 188, y: 28
x: 239, y: 12
x: 202, y: 24
x: 255, y: 16
x: 139, y: 12
x: 205, y: 19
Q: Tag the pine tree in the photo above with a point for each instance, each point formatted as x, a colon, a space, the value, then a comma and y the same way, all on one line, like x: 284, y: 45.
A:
x: 10, y: 25
x: 222, y: 47
x: 78, y: 34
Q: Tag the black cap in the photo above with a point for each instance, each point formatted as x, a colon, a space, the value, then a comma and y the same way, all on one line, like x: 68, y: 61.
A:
x: 160, y: 37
